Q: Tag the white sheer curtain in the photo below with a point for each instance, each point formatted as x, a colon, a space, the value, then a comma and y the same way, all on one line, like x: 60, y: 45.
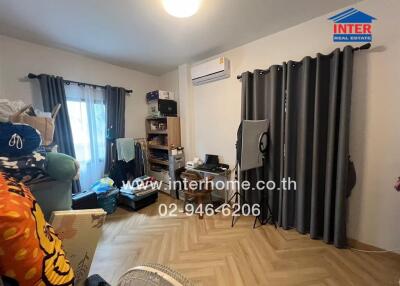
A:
x: 86, y: 108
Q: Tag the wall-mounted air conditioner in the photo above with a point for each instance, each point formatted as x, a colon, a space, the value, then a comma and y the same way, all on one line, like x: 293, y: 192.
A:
x: 213, y: 70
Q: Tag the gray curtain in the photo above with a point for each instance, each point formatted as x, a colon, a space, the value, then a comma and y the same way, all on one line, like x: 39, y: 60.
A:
x: 53, y: 93
x: 308, y: 140
x: 115, y: 105
x: 263, y: 98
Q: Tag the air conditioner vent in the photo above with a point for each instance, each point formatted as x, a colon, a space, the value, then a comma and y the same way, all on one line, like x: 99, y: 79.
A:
x: 210, y: 71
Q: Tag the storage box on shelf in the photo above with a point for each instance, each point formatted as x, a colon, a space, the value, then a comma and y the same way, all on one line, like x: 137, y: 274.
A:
x: 159, y: 94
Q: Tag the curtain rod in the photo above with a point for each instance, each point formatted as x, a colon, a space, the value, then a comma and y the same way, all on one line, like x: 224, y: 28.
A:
x: 363, y: 47
x: 31, y: 76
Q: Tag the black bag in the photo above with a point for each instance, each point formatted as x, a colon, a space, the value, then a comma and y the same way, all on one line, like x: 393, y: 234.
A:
x: 85, y: 200
x: 96, y: 280
x: 118, y: 173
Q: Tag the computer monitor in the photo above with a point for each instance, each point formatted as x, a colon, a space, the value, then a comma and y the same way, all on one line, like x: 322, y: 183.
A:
x: 211, y: 160
x: 253, y: 133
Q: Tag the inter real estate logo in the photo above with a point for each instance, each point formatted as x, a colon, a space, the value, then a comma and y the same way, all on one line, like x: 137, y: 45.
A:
x: 352, y: 25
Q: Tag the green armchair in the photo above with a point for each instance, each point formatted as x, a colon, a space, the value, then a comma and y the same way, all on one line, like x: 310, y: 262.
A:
x: 57, y: 193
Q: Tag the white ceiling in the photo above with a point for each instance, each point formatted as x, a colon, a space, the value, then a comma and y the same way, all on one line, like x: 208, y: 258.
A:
x: 139, y: 34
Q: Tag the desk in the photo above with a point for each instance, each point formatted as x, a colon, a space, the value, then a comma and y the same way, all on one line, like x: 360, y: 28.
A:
x: 223, y: 175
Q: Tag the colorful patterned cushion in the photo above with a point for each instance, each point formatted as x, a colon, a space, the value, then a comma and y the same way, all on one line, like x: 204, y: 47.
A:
x: 29, y: 169
x: 30, y: 252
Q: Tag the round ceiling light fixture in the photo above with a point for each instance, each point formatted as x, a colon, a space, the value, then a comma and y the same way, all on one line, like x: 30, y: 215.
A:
x: 181, y: 8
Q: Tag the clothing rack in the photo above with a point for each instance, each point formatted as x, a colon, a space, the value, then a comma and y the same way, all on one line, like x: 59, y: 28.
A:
x: 143, y: 142
x: 363, y: 47
x: 143, y: 146
x: 114, y: 147
x: 32, y: 76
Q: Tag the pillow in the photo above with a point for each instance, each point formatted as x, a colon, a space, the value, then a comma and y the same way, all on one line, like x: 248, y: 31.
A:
x: 18, y: 139
x: 30, y: 252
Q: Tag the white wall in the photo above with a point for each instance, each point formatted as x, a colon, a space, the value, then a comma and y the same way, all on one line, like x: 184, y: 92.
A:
x: 375, y: 138
x: 170, y: 82
x: 18, y: 58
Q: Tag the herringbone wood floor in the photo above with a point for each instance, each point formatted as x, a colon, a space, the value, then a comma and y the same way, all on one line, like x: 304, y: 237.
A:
x: 210, y: 252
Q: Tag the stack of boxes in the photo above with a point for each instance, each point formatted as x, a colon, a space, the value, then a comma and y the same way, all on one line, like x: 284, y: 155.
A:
x: 159, y: 94
x: 161, y: 103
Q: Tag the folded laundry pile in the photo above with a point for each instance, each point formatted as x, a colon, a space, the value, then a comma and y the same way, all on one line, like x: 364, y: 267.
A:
x: 103, y: 185
x: 140, y: 186
x: 139, y: 193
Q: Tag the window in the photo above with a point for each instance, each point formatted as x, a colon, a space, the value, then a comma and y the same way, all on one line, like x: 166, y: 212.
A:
x: 87, y: 114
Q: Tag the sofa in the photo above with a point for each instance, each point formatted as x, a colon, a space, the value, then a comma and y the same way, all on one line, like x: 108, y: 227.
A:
x: 49, y: 175
x: 56, y: 193
x: 53, y: 195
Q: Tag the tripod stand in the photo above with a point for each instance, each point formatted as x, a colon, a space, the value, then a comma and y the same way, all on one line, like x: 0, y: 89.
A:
x: 253, y: 135
x: 263, y: 150
x: 270, y: 216
x: 236, y: 196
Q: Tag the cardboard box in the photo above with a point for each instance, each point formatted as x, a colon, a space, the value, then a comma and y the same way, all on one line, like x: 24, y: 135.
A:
x: 80, y: 232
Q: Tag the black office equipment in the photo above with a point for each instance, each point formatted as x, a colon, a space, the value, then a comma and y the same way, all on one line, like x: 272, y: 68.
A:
x: 163, y: 107
x: 211, y: 162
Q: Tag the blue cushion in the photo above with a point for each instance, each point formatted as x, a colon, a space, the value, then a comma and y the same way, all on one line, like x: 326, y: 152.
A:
x: 18, y: 139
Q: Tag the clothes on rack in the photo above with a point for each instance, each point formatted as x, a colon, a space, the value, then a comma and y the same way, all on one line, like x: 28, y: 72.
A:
x: 125, y: 149
x: 144, y: 154
x: 118, y: 173
x: 139, y: 161
x: 123, y: 170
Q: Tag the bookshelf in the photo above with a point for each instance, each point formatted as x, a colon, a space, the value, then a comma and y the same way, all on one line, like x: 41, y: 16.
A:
x: 163, y: 134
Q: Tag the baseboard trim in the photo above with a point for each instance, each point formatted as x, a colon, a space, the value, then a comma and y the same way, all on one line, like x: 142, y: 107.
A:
x: 353, y: 243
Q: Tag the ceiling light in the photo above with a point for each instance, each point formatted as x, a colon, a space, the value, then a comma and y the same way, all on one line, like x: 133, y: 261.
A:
x: 181, y: 8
